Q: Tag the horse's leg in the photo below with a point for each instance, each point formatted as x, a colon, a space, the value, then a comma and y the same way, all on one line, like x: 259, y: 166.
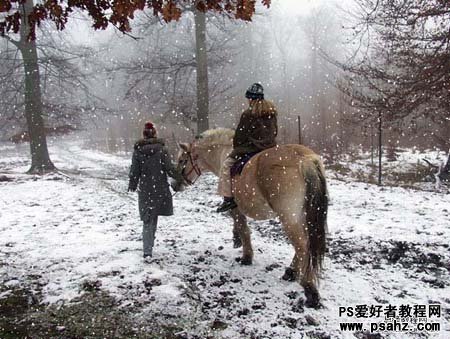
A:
x: 301, y: 267
x: 313, y: 220
x: 291, y: 274
x: 308, y: 276
x: 237, y: 242
x: 240, y: 225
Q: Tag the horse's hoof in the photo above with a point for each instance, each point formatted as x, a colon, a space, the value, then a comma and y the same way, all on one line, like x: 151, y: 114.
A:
x: 246, y: 261
x: 312, y: 298
x: 237, y: 242
x: 313, y: 303
x: 289, y: 274
x: 298, y: 307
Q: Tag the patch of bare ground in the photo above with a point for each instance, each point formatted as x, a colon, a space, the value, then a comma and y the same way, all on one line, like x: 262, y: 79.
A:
x: 94, y: 314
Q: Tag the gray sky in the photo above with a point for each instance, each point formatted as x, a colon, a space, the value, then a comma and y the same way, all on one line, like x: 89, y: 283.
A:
x: 296, y: 7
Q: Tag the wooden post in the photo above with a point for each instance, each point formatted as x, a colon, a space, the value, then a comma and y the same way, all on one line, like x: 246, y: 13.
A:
x: 300, y: 141
x: 380, y: 142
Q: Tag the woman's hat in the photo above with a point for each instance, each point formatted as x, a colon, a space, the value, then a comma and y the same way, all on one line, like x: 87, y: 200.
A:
x: 149, y: 125
x: 149, y: 130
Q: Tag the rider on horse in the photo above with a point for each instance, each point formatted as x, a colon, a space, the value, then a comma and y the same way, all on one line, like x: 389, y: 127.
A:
x: 256, y: 131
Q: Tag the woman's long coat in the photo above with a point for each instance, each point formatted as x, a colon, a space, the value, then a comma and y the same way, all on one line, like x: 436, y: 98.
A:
x: 149, y: 169
x: 254, y: 133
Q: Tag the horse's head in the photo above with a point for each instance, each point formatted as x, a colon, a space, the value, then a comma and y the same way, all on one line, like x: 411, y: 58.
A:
x: 188, y: 163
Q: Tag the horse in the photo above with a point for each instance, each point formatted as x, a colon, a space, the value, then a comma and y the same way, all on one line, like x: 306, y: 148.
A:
x: 285, y: 182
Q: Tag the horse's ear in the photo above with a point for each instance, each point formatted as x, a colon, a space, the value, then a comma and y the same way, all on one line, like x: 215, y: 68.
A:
x: 184, y: 146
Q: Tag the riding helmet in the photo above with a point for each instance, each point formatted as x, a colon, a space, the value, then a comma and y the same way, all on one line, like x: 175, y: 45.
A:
x: 255, y: 92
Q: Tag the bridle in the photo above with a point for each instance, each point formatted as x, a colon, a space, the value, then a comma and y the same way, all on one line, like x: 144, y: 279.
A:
x: 195, y: 168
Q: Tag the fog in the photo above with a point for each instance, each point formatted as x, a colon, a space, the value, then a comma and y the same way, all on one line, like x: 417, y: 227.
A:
x: 117, y: 81
x: 278, y: 49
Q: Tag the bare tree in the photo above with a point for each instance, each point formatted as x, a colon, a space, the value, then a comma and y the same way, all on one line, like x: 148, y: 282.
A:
x: 161, y: 76
x: 399, y: 75
x: 40, y: 159
x: 402, y: 75
x: 322, y: 34
x: 43, y: 88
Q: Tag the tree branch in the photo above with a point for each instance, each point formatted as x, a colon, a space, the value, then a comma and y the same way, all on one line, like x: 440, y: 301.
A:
x: 11, y: 40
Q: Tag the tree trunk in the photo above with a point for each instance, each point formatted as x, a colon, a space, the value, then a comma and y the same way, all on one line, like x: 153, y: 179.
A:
x: 202, y: 72
x: 40, y: 159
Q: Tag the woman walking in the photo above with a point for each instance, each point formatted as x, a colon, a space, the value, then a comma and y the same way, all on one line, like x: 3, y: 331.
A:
x: 150, y: 167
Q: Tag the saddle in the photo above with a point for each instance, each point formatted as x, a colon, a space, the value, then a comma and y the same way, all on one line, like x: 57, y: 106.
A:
x: 238, y: 166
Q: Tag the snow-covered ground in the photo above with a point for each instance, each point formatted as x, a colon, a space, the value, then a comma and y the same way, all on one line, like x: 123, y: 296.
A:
x: 407, y: 168
x: 387, y: 245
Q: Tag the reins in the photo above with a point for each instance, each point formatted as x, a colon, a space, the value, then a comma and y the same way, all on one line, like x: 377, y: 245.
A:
x: 195, y: 168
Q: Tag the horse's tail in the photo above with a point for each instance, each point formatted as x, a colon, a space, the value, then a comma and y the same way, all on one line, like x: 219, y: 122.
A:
x: 315, y: 208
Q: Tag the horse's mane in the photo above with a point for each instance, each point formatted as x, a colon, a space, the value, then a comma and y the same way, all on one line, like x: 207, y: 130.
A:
x: 217, y: 136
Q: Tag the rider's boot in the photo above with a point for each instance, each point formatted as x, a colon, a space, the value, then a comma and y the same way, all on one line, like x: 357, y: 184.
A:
x: 227, y: 204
